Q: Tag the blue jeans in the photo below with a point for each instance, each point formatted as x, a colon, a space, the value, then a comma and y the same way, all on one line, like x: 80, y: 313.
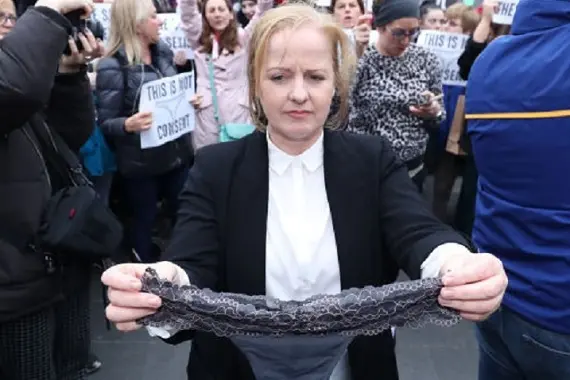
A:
x: 513, y: 349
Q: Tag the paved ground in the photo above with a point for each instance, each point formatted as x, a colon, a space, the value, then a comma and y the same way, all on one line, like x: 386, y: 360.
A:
x: 429, y: 354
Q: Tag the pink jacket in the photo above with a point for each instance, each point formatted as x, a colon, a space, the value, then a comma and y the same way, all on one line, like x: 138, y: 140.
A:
x: 230, y: 75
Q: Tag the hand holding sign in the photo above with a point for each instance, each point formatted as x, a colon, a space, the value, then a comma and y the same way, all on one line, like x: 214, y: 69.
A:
x: 490, y: 7
x: 139, y: 122
x: 362, y: 29
x: 196, y: 101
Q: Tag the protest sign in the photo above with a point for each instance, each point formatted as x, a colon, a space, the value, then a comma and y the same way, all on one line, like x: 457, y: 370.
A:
x: 172, y: 114
x: 448, y: 47
x: 505, y: 12
x: 102, y: 13
x: 170, y: 31
x: 173, y: 35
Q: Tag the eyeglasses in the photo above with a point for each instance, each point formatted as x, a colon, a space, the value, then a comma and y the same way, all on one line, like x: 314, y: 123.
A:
x: 5, y: 17
x: 441, y: 21
x: 400, y: 34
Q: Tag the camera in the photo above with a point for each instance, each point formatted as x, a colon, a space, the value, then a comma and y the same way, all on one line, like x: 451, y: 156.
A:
x: 79, y: 25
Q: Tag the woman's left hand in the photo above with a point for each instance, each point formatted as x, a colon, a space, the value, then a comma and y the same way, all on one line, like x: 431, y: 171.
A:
x: 473, y: 284
x: 92, y: 48
x: 427, y: 111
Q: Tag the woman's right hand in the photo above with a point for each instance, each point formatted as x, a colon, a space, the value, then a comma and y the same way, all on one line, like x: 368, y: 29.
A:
x: 196, y: 101
x: 489, y: 9
x: 66, y: 6
x: 139, y: 122
x: 127, y: 303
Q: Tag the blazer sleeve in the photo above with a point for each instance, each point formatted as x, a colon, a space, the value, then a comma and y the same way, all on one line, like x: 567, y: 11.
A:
x: 410, y: 230
x: 195, y: 243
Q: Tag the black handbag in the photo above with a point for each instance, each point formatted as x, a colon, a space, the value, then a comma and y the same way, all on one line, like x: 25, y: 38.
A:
x: 76, y: 221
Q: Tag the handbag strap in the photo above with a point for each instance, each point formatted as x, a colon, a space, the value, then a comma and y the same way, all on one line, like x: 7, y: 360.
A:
x: 59, y: 155
x: 213, y: 89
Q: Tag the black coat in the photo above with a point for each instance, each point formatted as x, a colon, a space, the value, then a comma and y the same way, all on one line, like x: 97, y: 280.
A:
x: 118, y: 93
x: 220, y: 237
x: 31, y: 93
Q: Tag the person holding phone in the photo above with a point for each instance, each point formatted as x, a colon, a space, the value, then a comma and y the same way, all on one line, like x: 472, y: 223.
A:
x: 44, y: 296
x: 397, y: 89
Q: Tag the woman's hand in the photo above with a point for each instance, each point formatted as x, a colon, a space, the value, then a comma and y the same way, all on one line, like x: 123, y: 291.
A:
x: 140, y: 121
x: 196, y: 101
x: 489, y: 9
x: 92, y: 48
x: 362, y: 29
x: 66, y: 6
x: 430, y: 110
x: 474, y: 285
x: 127, y: 303
x: 180, y: 58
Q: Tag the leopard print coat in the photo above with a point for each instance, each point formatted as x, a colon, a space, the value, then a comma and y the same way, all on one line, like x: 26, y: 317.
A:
x: 383, y: 90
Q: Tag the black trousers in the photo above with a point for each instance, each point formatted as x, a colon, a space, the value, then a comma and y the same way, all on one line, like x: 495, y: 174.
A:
x: 465, y: 213
x: 52, y: 344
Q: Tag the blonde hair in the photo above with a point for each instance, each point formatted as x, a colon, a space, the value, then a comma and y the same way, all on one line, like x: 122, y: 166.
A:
x: 292, y: 16
x: 456, y: 11
x: 125, y: 17
x: 469, y: 20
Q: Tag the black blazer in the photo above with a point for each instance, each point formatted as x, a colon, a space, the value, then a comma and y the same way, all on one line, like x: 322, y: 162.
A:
x: 378, y: 215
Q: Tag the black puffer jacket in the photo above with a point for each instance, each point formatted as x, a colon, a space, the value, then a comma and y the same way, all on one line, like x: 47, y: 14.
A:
x: 118, y: 94
x: 31, y: 95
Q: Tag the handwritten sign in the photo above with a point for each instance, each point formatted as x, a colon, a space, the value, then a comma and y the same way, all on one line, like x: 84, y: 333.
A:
x: 173, y: 35
x: 172, y: 113
x: 505, y: 12
x: 170, y: 31
x: 448, y: 47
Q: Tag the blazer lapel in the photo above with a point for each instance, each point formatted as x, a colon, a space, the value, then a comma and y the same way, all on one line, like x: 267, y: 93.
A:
x: 247, y: 218
x: 344, y: 181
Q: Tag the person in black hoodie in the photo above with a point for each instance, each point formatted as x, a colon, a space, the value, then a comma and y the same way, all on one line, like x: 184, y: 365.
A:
x: 44, y: 297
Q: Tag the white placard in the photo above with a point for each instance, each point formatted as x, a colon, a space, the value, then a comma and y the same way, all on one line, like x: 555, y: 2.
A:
x: 170, y: 31
x: 173, y: 35
x: 448, y: 47
x: 505, y: 12
x: 102, y: 13
x: 172, y: 114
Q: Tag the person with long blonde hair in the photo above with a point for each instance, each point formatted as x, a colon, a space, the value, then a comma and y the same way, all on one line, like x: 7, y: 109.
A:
x: 256, y: 218
x: 135, y: 56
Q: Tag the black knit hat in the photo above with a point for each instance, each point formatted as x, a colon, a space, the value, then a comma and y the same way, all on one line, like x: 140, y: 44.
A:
x: 386, y: 11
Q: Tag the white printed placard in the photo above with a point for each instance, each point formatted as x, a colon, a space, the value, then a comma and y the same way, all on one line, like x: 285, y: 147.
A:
x: 102, y: 13
x: 173, y: 35
x: 172, y: 114
x: 505, y: 12
x: 448, y: 47
x: 170, y: 31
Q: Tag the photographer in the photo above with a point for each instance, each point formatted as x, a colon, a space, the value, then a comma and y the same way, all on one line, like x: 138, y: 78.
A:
x: 44, y: 296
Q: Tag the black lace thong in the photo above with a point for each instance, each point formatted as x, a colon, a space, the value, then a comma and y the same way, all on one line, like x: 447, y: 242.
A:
x: 301, y: 340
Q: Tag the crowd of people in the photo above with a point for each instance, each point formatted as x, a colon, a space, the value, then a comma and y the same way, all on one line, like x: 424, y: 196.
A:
x: 315, y: 130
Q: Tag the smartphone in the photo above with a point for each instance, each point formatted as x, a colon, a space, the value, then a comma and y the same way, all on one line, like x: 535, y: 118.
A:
x: 78, y: 24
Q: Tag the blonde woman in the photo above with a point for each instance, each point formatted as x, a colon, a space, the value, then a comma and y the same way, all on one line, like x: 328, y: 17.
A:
x: 220, y: 48
x: 136, y: 55
x: 257, y: 218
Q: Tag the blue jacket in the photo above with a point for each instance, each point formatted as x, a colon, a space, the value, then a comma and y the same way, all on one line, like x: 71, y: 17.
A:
x: 96, y: 155
x: 518, y: 107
